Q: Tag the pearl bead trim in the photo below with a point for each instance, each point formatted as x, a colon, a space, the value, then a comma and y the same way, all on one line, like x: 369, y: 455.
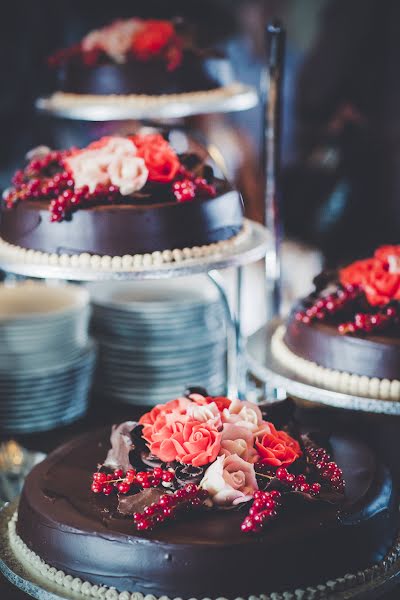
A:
x: 126, y: 263
x: 339, y: 381
x: 63, y: 100
x: 85, y: 589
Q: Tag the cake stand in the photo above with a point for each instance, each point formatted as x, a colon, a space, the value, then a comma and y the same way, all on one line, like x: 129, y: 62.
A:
x: 272, y: 373
x: 367, y: 584
x: 230, y: 98
x: 251, y: 247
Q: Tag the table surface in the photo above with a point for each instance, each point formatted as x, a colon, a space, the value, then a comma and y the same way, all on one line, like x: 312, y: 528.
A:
x: 380, y: 431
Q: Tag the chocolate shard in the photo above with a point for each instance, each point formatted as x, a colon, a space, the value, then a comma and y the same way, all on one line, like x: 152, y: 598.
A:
x: 121, y: 446
x: 127, y: 505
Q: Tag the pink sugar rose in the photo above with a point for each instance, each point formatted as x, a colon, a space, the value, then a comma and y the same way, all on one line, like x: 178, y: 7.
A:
x: 230, y: 480
x: 188, y: 442
x: 243, y: 414
x: 238, y: 440
x: 206, y: 413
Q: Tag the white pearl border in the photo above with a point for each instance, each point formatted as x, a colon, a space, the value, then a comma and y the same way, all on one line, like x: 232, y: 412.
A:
x: 86, y: 589
x: 338, y: 381
x: 64, y: 100
x: 126, y: 263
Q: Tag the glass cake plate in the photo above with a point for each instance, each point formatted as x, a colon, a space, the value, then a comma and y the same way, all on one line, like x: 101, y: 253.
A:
x: 364, y: 585
x: 252, y: 247
x: 232, y: 98
x: 269, y: 370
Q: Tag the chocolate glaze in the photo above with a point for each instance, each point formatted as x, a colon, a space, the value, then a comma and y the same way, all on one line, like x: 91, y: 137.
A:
x: 205, y: 555
x: 116, y: 230
x: 134, y: 77
x: 373, y: 356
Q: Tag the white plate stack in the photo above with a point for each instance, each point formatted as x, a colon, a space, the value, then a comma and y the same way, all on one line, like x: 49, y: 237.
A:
x: 155, y: 338
x: 46, y: 357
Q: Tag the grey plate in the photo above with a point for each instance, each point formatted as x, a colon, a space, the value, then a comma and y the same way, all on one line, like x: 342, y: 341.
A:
x: 263, y: 365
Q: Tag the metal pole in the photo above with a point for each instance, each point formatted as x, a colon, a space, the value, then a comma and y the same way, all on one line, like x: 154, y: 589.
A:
x: 271, y: 98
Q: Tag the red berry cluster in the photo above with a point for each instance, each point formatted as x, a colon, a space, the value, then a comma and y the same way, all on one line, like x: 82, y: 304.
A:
x: 366, y: 322
x: 263, y: 509
x: 328, y: 470
x: 121, y: 482
x: 329, y: 305
x: 298, y: 483
x: 169, y: 505
x: 189, y: 188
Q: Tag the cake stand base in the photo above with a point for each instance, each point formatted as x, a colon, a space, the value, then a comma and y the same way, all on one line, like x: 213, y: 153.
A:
x: 368, y: 584
x: 270, y: 371
x: 230, y: 98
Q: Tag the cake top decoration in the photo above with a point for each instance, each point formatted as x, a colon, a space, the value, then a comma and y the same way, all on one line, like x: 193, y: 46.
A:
x: 212, y: 453
x: 125, y: 40
x: 360, y: 298
x: 113, y: 170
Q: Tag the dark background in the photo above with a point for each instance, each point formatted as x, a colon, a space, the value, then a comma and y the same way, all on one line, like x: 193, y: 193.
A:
x: 341, y: 127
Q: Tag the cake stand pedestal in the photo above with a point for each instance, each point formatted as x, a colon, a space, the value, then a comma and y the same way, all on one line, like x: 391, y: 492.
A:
x: 272, y: 373
x: 254, y: 246
x: 231, y: 98
x: 368, y: 584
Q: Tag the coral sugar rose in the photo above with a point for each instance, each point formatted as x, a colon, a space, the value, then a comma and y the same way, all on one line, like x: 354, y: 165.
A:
x: 161, y: 160
x: 189, y: 442
x: 277, y: 448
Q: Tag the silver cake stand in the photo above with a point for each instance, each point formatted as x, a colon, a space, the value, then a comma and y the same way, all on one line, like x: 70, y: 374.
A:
x: 271, y: 372
x: 365, y: 585
x: 254, y: 246
x: 236, y: 97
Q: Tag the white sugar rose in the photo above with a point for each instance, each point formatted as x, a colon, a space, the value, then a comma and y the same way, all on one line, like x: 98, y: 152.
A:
x: 238, y: 440
x: 230, y: 480
x: 205, y: 413
x: 89, y: 168
x: 128, y: 173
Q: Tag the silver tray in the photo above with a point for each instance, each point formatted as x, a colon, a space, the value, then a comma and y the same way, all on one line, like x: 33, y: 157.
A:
x: 251, y: 249
x: 242, y: 97
x: 267, y: 369
x: 28, y: 581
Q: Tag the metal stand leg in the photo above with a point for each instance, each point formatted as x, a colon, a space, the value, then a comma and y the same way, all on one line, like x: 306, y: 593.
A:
x: 235, y: 365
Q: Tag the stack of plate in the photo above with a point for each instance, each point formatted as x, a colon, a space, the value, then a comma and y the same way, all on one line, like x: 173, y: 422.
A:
x: 157, y: 337
x: 46, y: 357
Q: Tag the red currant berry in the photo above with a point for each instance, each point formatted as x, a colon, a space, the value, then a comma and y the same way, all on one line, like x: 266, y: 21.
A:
x: 282, y: 473
x: 107, y: 489
x: 97, y: 488
x: 123, y: 487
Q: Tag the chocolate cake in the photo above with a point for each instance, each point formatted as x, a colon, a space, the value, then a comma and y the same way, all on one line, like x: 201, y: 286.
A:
x: 131, y: 196
x: 135, y: 56
x: 194, y: 539
x: 346, y: 335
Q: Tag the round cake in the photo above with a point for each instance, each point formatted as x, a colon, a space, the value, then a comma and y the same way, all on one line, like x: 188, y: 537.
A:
x: 206, y: 498
x: 120, y: 196
x: 346, y: 335
x: 136, y: 56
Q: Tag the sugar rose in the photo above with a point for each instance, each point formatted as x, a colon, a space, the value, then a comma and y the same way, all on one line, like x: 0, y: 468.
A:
x: 238, y: 440
x: 230, y: 480
x: 243, y: 414
x: 188, y: 442
x: 161, y: 160
x: 277, y: 448
x: 206, y: 413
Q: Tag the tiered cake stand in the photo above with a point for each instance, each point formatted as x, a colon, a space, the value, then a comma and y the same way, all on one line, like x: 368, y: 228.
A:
x: 230, y: 98
x: 273, y: 374
x: 253, y: 246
